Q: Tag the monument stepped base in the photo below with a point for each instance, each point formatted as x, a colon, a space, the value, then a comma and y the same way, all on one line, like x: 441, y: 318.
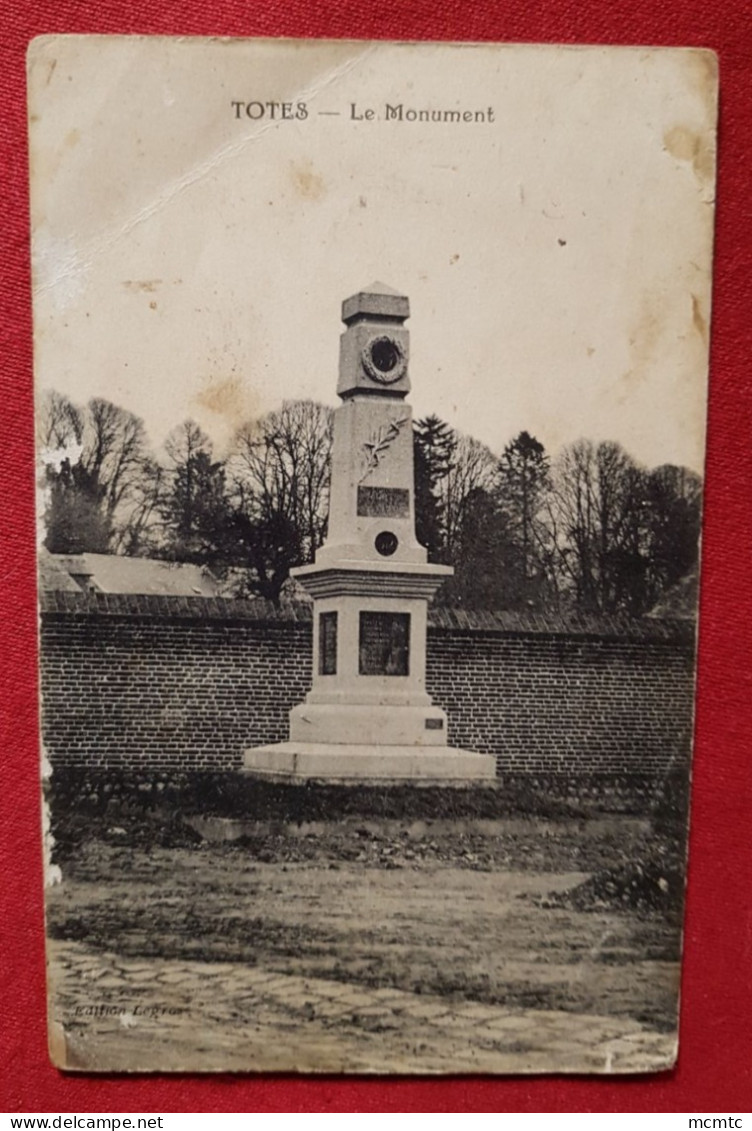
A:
x: 314, y: 761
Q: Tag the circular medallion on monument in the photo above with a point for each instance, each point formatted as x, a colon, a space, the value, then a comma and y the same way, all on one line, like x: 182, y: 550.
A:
x: 386, y: 543
x: 384, y: 359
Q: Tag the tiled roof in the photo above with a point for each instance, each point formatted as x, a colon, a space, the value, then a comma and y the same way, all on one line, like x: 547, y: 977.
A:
x: 164, y: 607
x: 114, y: 573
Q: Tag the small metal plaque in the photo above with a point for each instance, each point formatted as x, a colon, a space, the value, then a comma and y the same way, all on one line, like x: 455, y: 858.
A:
x: 434, y: 724
x: 383, y: 502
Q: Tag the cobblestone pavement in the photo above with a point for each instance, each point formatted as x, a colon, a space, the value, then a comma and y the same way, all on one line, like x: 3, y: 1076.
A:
x: 136, y: 1014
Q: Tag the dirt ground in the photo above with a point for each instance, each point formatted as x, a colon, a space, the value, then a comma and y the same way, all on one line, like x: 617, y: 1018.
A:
x: 457, y: 915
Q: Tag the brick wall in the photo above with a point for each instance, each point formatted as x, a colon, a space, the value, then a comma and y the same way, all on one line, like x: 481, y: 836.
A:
x: 171, y: 682
x: 553, y: 704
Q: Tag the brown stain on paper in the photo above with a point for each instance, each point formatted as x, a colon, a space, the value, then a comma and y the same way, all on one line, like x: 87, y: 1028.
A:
x: 683, y: 143
x: 229, y: 398
x: 308, y: 184
x: 702, y: 72
x: 644, y: 337
x: 647, y: 330
x: 688, y: 145
x: 651, y: 323
x: 147, y: 286
x: 699, y: 322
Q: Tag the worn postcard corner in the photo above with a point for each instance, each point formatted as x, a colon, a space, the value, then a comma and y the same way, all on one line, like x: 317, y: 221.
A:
x: 370, y: 402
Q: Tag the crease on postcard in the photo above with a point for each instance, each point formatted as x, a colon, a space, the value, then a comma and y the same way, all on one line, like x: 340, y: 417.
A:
x: 52, y: 271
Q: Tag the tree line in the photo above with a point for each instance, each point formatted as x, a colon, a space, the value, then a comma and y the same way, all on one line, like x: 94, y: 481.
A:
x: 590, y: 530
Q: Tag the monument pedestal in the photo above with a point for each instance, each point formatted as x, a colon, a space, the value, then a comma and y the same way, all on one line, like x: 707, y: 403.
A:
x: 368, y: 716
x: 369, y: 763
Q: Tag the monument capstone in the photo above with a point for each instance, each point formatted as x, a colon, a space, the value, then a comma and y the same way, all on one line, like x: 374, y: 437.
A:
x: 368, y: 716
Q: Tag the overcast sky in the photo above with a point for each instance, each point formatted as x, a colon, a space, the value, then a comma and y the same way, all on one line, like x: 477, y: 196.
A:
x: 188, y: 262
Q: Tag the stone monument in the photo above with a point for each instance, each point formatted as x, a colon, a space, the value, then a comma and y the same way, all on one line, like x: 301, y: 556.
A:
x: 368, y: 716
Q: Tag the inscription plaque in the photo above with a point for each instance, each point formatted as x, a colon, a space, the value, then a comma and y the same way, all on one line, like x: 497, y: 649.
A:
x: 383, y: 502
x: 327, y: 644
x: 384, y: 644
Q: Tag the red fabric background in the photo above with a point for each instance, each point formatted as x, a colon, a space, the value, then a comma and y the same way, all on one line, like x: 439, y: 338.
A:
x: 715, y: 1068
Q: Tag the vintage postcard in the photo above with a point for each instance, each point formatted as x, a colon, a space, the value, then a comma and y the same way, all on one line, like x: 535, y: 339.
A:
x: 370, y: 393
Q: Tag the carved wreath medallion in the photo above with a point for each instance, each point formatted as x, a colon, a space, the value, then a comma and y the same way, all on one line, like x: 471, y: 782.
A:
x: 383, y: 359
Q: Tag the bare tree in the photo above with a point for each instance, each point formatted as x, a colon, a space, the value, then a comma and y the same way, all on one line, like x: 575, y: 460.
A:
x: 60, y: 423
x: 595, y: 529
x: 674, y: 496
x: 600, y: 516
x: 472, y: 469
x: 575, y: 507
x: 114, y: 454
x: 281, y: 467
x: 278, y: 478
x: 95, y: 488
x: 142, y: 535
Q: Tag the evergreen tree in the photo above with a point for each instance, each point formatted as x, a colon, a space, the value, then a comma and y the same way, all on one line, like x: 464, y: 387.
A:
x: 434, y: 446
x: 194, y: 508
x: 485, y: 557
x: 523, y: 483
